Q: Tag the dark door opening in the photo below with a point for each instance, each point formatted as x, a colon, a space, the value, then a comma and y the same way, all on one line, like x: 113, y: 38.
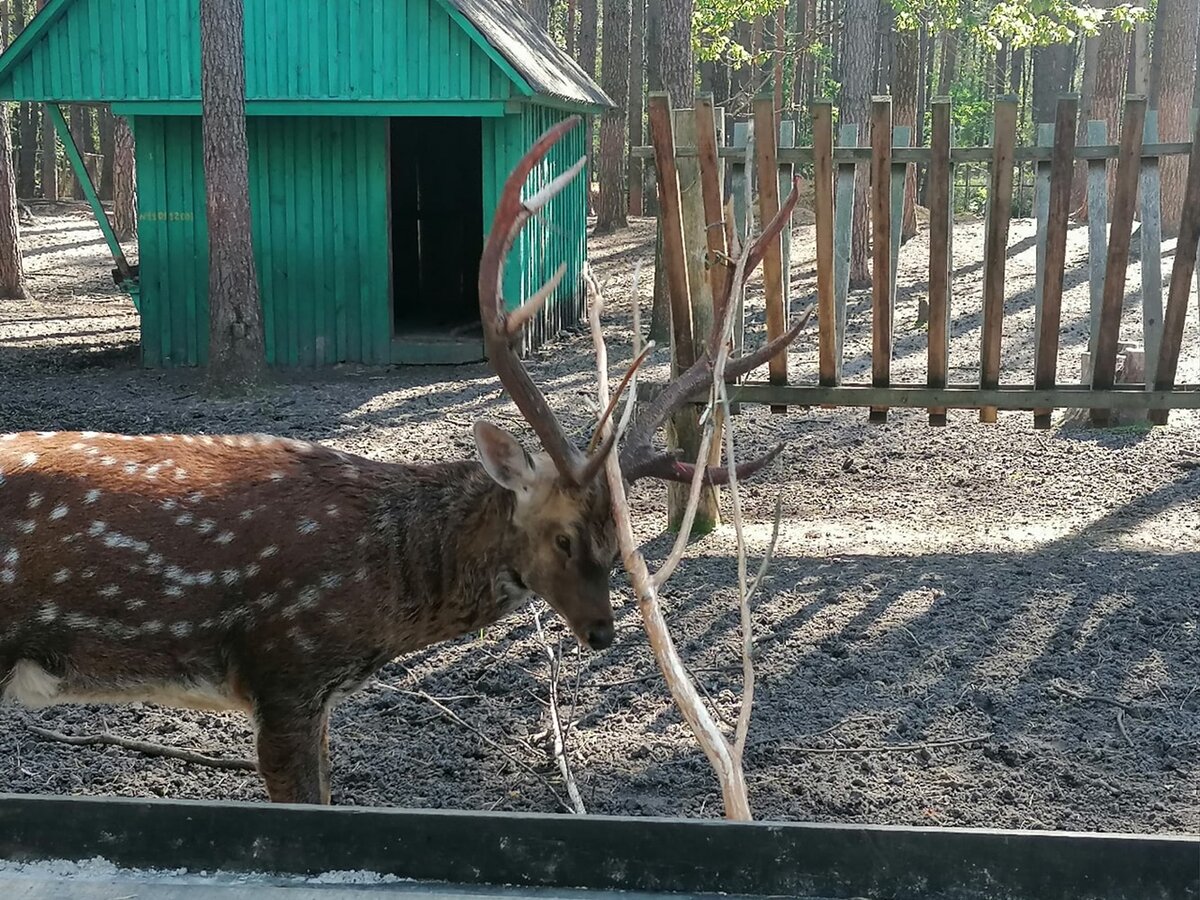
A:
x: 437, y: 226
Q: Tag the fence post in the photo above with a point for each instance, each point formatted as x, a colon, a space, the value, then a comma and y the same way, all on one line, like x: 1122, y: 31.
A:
x: 1104, y: 363
x: 881, y: 250
x: 1151, y: 251
x: 843, y: 212
x: 995, y: 248
x: 1097, y: 212
x: 941, y: 244
x: 772, y: 264
x: 1053, y: 257
x: 739, y: 192
x: 822, y: 122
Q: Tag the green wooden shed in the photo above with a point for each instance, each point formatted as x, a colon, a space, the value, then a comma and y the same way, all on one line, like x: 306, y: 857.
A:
x: 380, y: 133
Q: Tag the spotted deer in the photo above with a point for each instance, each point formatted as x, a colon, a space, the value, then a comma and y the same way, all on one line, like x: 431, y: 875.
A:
x: 275, y: 576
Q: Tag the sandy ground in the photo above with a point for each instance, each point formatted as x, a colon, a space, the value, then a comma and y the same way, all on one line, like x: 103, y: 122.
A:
x: 972, y: 625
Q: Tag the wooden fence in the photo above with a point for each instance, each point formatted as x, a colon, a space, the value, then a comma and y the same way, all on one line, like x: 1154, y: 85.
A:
x: 693, y: 247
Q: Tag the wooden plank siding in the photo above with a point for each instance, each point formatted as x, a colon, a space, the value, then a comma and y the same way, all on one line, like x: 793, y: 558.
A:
x: 288, y: 54
x: 321, y: 252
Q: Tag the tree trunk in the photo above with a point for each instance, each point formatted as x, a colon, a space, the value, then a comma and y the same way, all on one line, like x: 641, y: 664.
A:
x: 12, y: 267
x: 1173, y: 75
x: 27, y: 119
x: 906, y: 75
x: 124, y: 181
x: 539, y: 11
x: 678, y: 67
x: 105, y: 125
x: 236, y: 348
x: 637, y: 96
x: 949, y: 64
x: 858, y: 67
x: 1087, y: 97
x: 81, y: 132
x: 1051, y: 79
x: 1111, y: 73
x: 49, y: 152
x: 571, y: 25
x: 612, y: 204
x: 588, y: 34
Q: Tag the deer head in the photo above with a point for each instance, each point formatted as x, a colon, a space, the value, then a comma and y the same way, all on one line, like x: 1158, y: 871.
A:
x: 561, y: 507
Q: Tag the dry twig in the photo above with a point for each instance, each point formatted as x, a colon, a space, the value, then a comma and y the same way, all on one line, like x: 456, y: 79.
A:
x: 560, y: 738
x: 887, y: 748
x: 104, y: 739
x: 459, y: 720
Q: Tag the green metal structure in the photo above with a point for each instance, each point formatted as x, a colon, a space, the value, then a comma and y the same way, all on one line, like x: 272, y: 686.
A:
x: 380, y: 133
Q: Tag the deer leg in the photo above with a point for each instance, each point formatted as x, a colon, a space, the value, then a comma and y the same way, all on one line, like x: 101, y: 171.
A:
x: 293, y: 757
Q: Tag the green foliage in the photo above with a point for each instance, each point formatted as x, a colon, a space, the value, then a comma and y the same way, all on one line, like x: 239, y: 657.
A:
x: 714, y: 22
x: 1020, y: 23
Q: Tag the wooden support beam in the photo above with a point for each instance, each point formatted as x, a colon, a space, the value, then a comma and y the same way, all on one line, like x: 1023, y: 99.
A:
x: 881, y: 251
x: 711, y: 185
x: 995, y: 249
x: 843, y: 211
x: 1150, y: 230
x: 822, y: 124
x: 772, y: 264
x: 1058, y: 200
x: 1181, y: 276
x: 941, y: 237
x: 1104, y: 363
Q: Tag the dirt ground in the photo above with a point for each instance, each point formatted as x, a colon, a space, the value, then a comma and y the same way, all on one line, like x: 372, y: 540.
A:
x: 971, y: 626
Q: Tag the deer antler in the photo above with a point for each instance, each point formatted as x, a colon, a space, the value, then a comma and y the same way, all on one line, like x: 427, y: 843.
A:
x: 501, y: 327
x: 638, y: 458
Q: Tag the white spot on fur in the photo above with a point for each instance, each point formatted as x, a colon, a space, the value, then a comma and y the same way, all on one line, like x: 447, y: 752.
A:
x: 47, y: 613
x: 91, y: 496
x: 230, y: 576
x: 225, y: 537
x: 276, y: 476
x: 266, y: 601
x: 204, y: 526
x: 97, y: 528
x: 361, y: 574
x: 29, y: 459
x: 131, y: 468
x: 12, y: 557
x: 34, y: 501
x: 174, y: 590
x: 252, y: 570
x: 331, y: 581
x: 46, y: 434
x: 59, y: 512
x: 108, y: 461
x: 152, y: 627
x: 127, y: 437
x: 185, y: 519
x: 88, y: 435
x: 31, y: 685
x: 307, y: 526
x: 146, y: 437
x: 268, y: 552
x: 27, y: 526
x: 109, y: 590
x: 181, y: 629
x: 169, y: 505
x: 133, y: 604
x: 194, y: 497
x: 8, y: 576
x: 61, y: 576
x: 118, y: 541
x: 181, y: 474
x: 332, y: 511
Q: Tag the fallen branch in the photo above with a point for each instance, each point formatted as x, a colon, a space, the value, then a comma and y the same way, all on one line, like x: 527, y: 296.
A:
x: 104, y: 739
x: 459, y: 720
x: 1091, y: 698
x: 1121, y: 725
x: 886, y: 748
x: 560, y: 740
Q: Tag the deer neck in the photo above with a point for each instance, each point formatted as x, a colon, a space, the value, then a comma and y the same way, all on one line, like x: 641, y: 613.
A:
x: 457, y: 555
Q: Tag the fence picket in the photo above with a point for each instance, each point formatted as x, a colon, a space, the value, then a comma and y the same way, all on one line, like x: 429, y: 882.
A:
x: 1104, y: 363
x: 843, y: 212
x: 1000, y: 190
x: 881, y: 231
x: 772, y: 264
x: 941, y: 234
x: 1097, y: 213
x: 1151, y: 247
x: 822, y: 122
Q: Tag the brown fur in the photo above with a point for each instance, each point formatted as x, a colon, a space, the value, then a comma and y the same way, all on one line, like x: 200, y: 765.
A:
x: 271, y: 575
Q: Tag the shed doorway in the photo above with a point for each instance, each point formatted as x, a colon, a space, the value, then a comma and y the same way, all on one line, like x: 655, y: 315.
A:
x: 437, y: 237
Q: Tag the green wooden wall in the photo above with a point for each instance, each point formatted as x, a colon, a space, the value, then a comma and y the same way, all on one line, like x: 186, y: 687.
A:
x: 149, y: 50
x: 558, y: 235
x: 320, y: 216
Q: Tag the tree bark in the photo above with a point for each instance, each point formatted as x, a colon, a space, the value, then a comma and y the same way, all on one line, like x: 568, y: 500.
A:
x: 678, y: 65
x: 1111, y: 73
x: 588, y: 34
x: 1087, y: 97
x: 571, y: 25
x: 1051, y: 79
x: 636, y: 104
x: 12, y: 266
x: 858, y: 68
x: 80, y: 121
x: 1173, y: 75
x: 906, y: 76
x: 124, y: 181
x: 612, y: 204
x: 236, y: 347
x: 105, y: 125
x: 27, y: 119
x: 949, y: 64
x: 49, y: 151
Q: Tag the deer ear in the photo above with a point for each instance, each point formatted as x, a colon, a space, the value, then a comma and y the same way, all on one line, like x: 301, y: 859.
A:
x: 503, y: 457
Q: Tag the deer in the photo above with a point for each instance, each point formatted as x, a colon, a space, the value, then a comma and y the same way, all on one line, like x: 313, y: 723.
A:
x: 275, y: 576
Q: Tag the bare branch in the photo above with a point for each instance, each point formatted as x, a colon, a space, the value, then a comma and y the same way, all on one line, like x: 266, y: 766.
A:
x: 560, y: 741
x: 104, y: 739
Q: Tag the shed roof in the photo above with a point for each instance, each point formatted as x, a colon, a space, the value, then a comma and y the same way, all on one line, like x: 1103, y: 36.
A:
x: 527, y: 47
x: 69, y: 53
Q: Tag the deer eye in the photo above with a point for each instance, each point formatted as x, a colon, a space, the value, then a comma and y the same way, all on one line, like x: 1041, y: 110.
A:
x: 564, y: 544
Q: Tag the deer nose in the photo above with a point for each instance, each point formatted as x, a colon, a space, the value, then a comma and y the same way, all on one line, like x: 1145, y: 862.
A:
x: 600, y: 635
